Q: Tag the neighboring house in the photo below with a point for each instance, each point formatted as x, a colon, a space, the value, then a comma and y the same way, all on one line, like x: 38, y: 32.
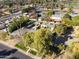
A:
x: 40, y: 19
x: 65, y: 10
x: 76, y: 10
x: 49, y: 25
x: 16, y: 8
x: 74, y: 14
x: 56, y: 16
x: 33, y: 15
x: 56, y: 19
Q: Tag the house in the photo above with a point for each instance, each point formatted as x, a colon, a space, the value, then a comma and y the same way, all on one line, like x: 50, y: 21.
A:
x: 74, y: 14
x: 76, y: 10
x: 33, y: 15
x: 16, y: 8
x: 49, y: 25
x: 56, y: 18
x: 65, y: 10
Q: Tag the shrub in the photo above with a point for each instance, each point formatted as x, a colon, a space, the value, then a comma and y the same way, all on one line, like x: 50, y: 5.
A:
x: 4, y: 36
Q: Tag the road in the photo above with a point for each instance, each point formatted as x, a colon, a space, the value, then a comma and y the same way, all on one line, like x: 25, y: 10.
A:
x: 17, y: 54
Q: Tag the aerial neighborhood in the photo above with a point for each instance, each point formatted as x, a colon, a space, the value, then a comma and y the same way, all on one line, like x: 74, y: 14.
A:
x: 39, y: 29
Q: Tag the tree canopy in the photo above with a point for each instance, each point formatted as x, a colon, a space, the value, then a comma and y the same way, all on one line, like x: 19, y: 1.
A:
x: 17, y: 23
x: 60, y: 29
x: 39, y: 41
x: 70, y: 21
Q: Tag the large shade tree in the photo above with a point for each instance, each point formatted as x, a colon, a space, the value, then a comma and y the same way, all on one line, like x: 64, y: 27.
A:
x: 38, y: 41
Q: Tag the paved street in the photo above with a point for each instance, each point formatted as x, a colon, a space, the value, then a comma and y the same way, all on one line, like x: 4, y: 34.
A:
x: 8, y: 52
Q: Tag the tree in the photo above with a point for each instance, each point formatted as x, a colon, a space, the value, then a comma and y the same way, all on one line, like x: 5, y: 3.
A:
x: 28, y: 40
x: 70, y: 21
x: 42, y: 41
x: 17, y: 23
x: 49, y: 13
x: 66, y: 20
x: 70, y: 9
x: 13, y: 26
x: 60, y: 29
x: 62, y: 7
x: 8, y: 2
x: 75, y: 21
x: 38, y: 41
x: 27, y: 9
x: 73, y: 47
x: 67, y: 16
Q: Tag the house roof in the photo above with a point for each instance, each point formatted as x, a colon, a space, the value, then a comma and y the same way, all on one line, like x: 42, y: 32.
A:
x: 74, y: 14
x: 76, y: 10
x: 56, y: 17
